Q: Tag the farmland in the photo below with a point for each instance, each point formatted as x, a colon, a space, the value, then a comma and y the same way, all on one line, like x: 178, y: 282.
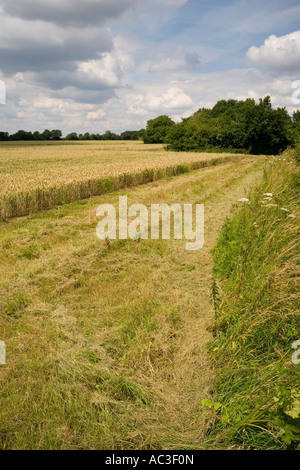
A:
x: 132, y: 344
x: 149, y: 228
x: 35, y: 177
x: 106, y: 342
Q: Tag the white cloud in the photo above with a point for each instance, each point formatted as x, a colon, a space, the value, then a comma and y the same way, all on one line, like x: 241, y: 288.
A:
x: 109, y: 69
x: 280, y: 55
x: 135, y: 104
x: 106, y: 70
x: 96, y: 115
x: 173, y: 99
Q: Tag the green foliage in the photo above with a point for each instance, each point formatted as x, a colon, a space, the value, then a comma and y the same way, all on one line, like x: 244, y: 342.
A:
x: 297, y: 153
x: 72, y: 136
x: 56, y: 134
x: 133, y: 135
x: 235, y: 125
x: 157, y: 130
x: 257, y: 315
x: 296, y: 126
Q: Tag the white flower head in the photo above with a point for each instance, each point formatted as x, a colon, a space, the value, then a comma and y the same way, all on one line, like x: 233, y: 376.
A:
x: 244, y: 199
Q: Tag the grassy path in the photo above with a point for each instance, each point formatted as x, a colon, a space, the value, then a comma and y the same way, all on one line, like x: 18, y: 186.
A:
x: 106, y: 343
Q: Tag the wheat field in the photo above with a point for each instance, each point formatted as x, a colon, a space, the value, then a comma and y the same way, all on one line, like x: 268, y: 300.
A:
x: 36, y: 177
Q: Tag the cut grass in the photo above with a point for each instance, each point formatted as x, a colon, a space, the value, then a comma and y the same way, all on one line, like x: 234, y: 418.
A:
x: 106, y: 344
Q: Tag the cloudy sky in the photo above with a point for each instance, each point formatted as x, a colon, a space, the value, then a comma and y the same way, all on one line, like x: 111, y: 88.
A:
x: 94, y: 65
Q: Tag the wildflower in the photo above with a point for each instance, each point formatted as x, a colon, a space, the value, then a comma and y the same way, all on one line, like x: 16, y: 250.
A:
x: 283, y: 209
x: 292, y: 216
x: 244, y: 199
x: 268, y: 194
x: 271, y: 205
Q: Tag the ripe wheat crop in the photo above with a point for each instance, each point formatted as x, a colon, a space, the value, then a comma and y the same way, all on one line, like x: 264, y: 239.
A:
x: 38, y: 177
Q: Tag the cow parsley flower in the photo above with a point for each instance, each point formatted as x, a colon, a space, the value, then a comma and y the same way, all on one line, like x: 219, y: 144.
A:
x: 244, y: 199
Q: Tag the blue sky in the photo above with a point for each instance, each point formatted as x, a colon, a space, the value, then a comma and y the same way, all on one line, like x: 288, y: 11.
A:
x: 95, y: 65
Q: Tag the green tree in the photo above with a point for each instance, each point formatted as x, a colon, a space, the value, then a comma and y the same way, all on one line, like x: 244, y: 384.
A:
x: 72, y: 136
x: 37, y: 136
x: 108, y: 135
x: 157, y: 129
x: 56, y: 134
x: 4, y: 136
x: 236, y: 125
x: 46, y: 135
x: 22, y: 135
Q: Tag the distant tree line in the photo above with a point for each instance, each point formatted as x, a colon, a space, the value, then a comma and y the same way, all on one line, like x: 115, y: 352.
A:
x: 108, y: 135
x: 56, y: 134
x: 230, y: 125
x: 242, y: 126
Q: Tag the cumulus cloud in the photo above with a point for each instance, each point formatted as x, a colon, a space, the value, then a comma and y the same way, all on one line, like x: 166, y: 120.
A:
x: 280, y: 55
x: 102, y: 75
x: 106, y: 71
x: 69, y: 64
x: 172, y: 99
x: 36, y: 55
x: 67, y: 12
x: 96, y: 115
x: 87, y: 64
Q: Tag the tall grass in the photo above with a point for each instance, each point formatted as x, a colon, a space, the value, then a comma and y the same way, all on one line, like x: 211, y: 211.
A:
x: 256, y: 299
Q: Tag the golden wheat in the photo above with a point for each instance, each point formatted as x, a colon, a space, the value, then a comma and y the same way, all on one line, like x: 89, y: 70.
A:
x: 36, y: 177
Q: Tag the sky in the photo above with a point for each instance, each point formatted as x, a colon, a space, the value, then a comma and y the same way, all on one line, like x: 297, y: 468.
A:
x: 97, y: 65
